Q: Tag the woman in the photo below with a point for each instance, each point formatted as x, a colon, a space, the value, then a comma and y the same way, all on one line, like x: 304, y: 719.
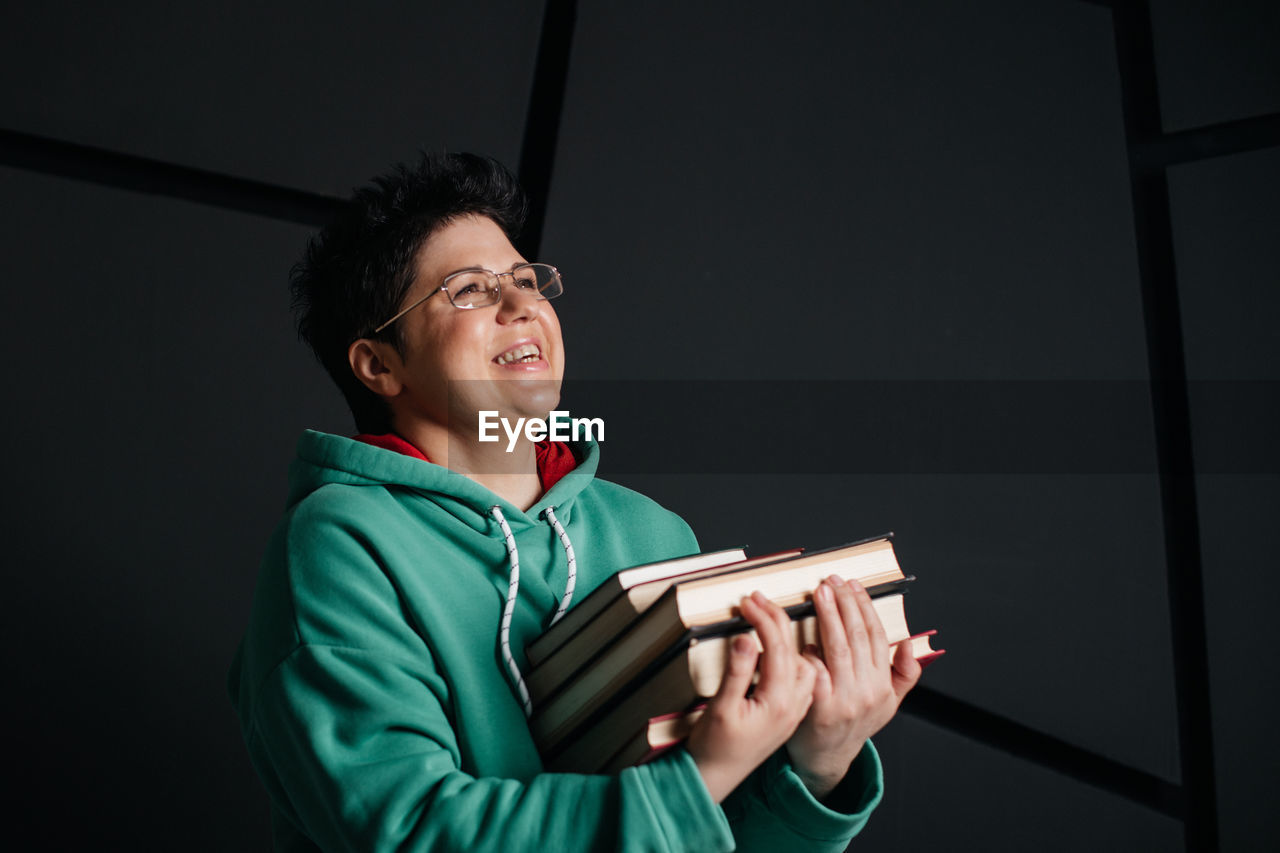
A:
x: 379, y: 683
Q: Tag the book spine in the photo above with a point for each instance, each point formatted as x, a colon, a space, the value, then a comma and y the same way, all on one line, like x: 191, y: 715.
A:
x: 627, y: 657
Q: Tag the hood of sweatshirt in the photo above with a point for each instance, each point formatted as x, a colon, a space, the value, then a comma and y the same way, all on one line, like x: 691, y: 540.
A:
x: 325, y: 459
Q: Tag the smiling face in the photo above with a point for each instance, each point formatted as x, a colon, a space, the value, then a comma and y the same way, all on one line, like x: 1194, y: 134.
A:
x: 456, y: 362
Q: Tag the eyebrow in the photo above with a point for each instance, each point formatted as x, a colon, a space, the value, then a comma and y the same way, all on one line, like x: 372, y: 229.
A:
x: 478, y: 268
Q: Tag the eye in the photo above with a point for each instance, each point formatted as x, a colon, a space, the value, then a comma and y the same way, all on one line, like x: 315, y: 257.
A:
x: 469, y: 289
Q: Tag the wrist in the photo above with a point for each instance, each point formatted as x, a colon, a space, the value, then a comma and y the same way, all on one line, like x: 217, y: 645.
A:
x: 819, y: 785
x: 821, y: 775
x: 718, y: 779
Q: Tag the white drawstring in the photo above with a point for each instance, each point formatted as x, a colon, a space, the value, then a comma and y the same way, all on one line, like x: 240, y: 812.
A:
x: 513, y: 591
x: 550, y: 513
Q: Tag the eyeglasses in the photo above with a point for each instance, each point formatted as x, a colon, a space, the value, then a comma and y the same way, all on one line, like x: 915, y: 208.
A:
x: 482, y: 288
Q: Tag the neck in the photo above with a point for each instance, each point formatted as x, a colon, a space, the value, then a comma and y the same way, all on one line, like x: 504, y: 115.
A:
x: 512, y: 476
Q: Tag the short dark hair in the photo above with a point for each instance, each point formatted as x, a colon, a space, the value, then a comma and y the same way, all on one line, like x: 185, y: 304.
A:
x: 357, y: 270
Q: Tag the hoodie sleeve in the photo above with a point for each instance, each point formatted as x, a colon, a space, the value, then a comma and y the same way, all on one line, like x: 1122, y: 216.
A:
x: 773, y: 810
x: 365, y: 760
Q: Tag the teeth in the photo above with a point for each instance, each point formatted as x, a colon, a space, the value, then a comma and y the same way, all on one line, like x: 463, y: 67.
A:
x: 527, y: 352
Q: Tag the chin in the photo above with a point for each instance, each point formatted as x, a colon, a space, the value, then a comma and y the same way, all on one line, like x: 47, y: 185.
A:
x: 536, y: 398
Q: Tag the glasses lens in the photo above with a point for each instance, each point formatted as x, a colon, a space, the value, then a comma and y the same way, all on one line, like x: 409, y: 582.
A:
x: 472, y: 289
x: 541, y: 277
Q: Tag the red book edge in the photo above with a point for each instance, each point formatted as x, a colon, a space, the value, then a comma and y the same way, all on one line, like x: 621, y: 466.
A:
x: 925, y: 660
x: 675, y: 714
x: 657, y: 751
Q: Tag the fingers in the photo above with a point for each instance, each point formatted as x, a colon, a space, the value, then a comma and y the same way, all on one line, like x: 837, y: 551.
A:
x: 854, y: 627
x: 770, y: 621
x: 776, y: 637
x: 836, y: 653
x: 859, y: 660
x: 784, y: 674
x: 872, y: 625
x: 741, y: 668
x: 906, y: 669
x: 865, y: 634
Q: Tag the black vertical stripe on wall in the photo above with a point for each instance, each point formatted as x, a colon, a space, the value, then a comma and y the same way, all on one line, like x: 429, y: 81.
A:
x: 1171, y: 412
x: 542, y: 123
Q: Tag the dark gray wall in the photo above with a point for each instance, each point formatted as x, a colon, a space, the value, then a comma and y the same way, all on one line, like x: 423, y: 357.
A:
x: 910, y: 221
x: 313, y: 95
x: 785, y: 198
x: 153, y: 383
x: 1226, y: 215
x: 1217, y: 61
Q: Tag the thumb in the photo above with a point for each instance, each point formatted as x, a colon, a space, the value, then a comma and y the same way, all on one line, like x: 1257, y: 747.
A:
x: 822, y: 685
x: 743, y: 655
x: 906, y: 670
x: 807, y: 676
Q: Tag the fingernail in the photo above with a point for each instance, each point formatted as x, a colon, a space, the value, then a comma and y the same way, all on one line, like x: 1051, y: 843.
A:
x: 835, y: 580
x: 759, y: 597
x: 824, y: 591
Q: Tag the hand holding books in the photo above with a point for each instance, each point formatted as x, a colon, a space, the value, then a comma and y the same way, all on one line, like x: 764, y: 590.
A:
x: 740, y: 729
x: 857, y: 689
x: 620, y: 679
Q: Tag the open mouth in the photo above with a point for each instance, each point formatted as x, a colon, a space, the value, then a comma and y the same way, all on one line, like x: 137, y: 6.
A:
x: 523, y: 354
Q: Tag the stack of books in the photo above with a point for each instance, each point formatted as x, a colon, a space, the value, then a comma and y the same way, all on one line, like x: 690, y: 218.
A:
x: 624, y: 675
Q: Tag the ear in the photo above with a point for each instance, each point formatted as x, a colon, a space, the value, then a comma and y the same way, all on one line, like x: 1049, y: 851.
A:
x: 377, y: 365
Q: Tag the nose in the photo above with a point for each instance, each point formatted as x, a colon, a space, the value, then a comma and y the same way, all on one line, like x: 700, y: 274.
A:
x: 517, y: 303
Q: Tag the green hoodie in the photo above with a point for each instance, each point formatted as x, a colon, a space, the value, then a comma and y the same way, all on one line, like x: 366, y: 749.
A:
x: 376, y: 704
